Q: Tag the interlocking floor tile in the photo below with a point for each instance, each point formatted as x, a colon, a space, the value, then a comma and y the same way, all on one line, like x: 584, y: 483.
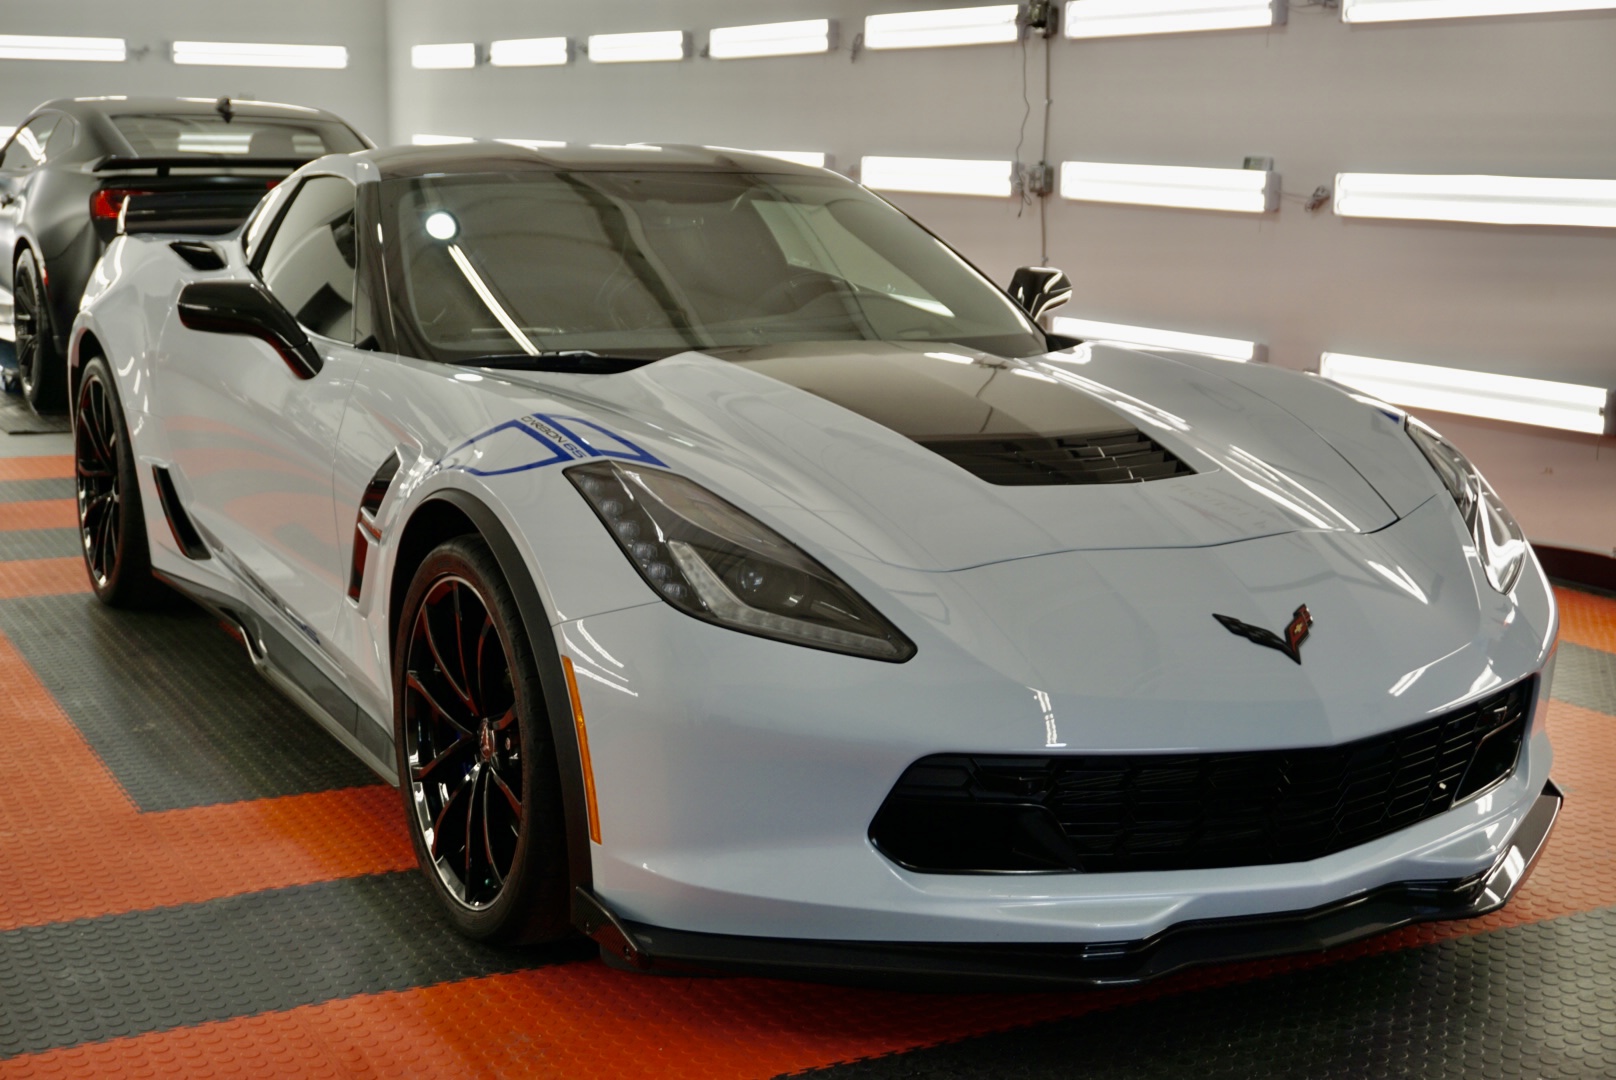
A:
x: 1532, y: 1001
x: 1586, y: 677
x: 75, y: 982
x: 1587, y: 619
x: 29, y: 489
x: 171, y: 704
x: 37, y: 543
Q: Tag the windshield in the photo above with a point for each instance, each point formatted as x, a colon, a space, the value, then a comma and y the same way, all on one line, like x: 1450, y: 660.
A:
x: 653, y: 263
x: 153, y: 135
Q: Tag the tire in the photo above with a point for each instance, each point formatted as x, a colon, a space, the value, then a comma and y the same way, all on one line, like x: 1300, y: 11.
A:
x: 463, y: 676
x: 112, y: 521
x: 40, y: 365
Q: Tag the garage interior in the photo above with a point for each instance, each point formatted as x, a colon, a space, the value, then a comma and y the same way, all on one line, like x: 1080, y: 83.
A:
x: 199, y: 881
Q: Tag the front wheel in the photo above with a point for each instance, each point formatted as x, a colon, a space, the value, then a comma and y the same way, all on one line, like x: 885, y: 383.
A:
x: 40, y: 366
x: 477, y: 766
x: 112, y: 524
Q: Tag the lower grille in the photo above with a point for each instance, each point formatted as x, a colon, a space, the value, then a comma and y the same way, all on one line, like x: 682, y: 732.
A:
x: 1096, y: 813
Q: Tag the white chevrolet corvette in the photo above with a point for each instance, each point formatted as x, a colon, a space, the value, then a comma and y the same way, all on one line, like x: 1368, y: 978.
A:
x: 724, y: 568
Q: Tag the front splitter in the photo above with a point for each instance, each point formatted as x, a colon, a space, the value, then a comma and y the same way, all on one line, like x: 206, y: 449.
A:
x: 1045, y: 964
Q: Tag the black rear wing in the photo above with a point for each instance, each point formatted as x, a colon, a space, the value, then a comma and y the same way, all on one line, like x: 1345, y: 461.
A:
x: 205, y: 211
x: 199, y: 161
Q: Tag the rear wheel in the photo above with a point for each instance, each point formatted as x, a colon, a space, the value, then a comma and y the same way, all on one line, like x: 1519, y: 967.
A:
x: 476, y: 763
x: 40, y: 366
x: 112, y: 524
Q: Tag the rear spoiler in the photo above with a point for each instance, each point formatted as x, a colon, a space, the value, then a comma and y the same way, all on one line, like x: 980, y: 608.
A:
x: 200, y: 161
x: 209, y: 213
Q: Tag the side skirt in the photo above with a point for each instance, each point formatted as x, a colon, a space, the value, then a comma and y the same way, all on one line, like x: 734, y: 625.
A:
x: 277, y: 660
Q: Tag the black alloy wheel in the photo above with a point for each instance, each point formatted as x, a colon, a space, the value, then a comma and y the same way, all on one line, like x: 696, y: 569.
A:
x: 112, y: 526
x: 476, y: 761
x: 39, y: 365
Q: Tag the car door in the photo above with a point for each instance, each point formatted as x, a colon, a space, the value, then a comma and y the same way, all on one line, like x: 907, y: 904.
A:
x: 22, y: 156
x: 253, y: 435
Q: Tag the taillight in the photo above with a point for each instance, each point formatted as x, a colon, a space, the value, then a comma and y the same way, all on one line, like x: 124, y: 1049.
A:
x: 107, y: 204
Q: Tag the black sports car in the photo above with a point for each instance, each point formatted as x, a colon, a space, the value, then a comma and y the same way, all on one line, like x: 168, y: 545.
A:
x: 77, y: 166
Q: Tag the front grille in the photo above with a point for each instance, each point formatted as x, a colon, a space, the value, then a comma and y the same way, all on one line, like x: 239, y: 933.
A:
x: 1097, y: 813
x: 1112, y: 457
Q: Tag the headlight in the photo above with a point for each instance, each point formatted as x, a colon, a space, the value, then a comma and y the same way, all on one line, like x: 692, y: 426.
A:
x: 1499, y: 540
x: 711, y: 560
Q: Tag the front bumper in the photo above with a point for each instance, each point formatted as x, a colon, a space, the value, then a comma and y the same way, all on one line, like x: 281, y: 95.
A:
x: 1111, y: 963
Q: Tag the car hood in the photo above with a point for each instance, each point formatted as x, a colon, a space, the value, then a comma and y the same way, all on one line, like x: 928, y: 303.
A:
x: 869, y: 446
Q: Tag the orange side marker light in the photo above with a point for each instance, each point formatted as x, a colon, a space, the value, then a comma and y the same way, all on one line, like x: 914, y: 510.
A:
x: 583, y: 749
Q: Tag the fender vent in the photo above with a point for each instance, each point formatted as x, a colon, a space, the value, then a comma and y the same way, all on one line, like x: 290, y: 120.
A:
x: 179, y: 522
x: 365, y: 530
x: 1111, y: 457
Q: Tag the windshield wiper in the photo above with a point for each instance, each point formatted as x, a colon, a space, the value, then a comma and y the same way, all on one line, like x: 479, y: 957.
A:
x: 585, y: 361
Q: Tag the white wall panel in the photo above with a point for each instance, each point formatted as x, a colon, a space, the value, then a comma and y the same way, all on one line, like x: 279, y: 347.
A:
x: 357, y: 92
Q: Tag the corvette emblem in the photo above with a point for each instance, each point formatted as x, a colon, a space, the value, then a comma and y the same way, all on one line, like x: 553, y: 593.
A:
x: 1290, y: 644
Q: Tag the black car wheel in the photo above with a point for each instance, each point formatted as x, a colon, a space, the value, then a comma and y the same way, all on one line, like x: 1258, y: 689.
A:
x: 39, y: 365
x: 112, y: 527
x: 476, y: 762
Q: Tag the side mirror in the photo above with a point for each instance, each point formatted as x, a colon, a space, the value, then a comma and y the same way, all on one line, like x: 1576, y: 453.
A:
x: 1039, y: 290
x: 246, y: 307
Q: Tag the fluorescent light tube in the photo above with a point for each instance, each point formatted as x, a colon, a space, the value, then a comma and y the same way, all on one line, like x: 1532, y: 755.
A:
x: 439, y: 140
x: 1251, y: 191
x: 1150, y: 337
x: 1367, y: 11
x: 801, y: 157
x: 533, y: 144
x: 812, y: 158
x: 647, y: 46
x: 937, y: 176
x: 1122, y: 18
x: 770, y: 39
x: 6, y: 133
x: 952, y: 26
x: 260, y: 54
x: 458, y: 54
x: 208, y: 142
x: 530, y: 52
x: 35, y: 47
x: 1491, y: 200
x: 1473, y: 393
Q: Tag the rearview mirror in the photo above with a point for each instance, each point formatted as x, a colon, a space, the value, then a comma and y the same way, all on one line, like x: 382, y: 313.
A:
x: 246, y: 307
x: 1039, y: 290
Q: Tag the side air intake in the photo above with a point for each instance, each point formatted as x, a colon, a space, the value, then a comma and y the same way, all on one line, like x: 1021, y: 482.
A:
x: 366, y: 531
x: 179, y: 522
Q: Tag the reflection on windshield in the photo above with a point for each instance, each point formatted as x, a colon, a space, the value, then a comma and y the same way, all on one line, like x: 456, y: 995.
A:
x: 661, y: 262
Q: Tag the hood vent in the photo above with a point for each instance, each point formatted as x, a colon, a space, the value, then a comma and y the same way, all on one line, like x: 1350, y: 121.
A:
x: 1109, y: 457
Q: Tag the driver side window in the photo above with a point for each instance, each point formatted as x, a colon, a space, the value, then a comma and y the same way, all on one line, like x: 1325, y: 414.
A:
x: 309, y: 263
x: 27, y: 149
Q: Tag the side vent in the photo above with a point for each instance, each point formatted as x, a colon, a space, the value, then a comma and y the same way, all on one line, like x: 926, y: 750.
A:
x: 179, y: 522
x: 1110, y: 457
x: 365, y: 530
